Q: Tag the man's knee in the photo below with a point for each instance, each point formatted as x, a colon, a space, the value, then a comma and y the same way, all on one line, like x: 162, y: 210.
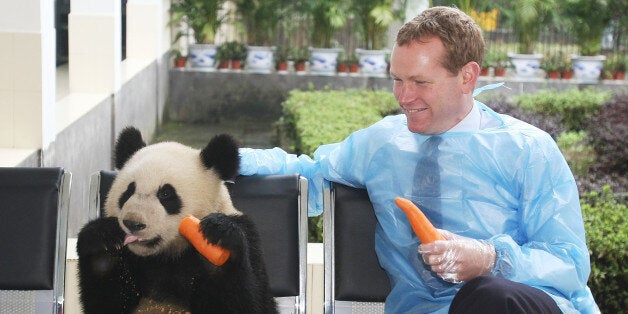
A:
x: 487, y: 294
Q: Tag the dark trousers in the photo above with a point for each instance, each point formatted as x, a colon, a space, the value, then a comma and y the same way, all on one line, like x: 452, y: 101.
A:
x: 497, y: 295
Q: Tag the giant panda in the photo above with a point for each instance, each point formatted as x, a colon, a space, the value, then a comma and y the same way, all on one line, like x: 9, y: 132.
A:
x: 134, y: 260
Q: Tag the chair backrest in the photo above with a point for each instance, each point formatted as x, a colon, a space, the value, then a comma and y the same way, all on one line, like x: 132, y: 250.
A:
x: 34, y: 204
x: 354, y: 280
x: 277, y: 204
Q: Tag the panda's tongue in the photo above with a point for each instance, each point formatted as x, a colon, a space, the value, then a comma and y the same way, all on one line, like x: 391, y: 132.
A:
x: 130, y: 239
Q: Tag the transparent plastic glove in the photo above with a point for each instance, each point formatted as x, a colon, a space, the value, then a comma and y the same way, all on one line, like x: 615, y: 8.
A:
x: 458, y: 258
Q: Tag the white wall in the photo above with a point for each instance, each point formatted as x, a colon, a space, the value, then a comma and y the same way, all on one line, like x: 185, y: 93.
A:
x: 76, y: 129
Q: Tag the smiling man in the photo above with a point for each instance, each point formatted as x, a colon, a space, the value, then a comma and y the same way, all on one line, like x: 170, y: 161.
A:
x: 498, y: 189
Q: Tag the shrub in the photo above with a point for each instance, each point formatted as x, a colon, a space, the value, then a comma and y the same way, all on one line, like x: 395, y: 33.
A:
x: 309, y: 116
x: 609, y: 135
x: 606, y: 231
x: 578, y: 153
x: 572, y: 106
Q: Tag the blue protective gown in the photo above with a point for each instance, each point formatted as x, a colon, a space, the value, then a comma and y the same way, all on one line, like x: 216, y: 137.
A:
x: 507, y: 183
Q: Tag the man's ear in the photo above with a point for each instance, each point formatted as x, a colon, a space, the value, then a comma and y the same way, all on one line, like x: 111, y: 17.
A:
x: 470, y: 73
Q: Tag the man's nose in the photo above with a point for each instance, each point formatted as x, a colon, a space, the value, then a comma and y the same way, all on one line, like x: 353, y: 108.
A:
x: 404, y: 94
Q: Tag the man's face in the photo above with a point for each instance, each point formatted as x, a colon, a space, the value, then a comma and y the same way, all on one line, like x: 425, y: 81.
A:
x: 433, y: 99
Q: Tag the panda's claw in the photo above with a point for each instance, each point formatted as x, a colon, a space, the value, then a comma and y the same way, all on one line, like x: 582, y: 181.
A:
x: 221, y: 230
x: 99, y: 236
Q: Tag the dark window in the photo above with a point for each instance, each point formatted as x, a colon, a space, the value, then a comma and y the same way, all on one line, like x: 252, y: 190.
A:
x: 62, y: 9
x: 124, y: 29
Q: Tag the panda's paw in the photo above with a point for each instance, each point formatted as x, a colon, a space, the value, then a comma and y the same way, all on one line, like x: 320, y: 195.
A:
x: 222, y: 230
x: 102, y: 236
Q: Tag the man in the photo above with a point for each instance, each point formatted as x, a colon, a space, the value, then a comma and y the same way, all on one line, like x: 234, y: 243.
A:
x: 499, y: 189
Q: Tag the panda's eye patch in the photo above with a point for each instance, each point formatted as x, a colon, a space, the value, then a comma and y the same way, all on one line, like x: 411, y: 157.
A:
x: 166, y: 192
x: 130, y: 190
x: 168, y: 197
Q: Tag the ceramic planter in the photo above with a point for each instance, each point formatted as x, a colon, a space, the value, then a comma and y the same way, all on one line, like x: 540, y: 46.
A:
x: 526, y: 65
x: 323, y: 61
x: 372, y: 62
x: 587, y: 69
x: 203, y: 57
x: 260, y: 59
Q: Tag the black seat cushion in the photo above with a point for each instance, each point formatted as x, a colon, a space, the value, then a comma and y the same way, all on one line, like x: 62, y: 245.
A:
x: 358, y: 275
x: 28, y: 226
x: 106, y: 180
x: 272, y: 203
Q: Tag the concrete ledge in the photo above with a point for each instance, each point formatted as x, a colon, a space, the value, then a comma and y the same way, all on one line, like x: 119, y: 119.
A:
x: 196, y: 96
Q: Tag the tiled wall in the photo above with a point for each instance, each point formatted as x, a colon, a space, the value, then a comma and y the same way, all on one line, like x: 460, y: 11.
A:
x: 20, y: 90
x: 94, y: 53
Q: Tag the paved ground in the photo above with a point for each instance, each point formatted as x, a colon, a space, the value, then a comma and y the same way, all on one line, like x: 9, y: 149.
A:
x: 255, y: 134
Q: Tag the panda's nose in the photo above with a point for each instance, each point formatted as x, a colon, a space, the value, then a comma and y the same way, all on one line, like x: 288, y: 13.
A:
x: 133, y: 225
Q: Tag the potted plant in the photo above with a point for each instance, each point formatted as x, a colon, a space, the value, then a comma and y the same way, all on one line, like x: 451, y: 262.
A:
x: 259, y: 21
x: 240, y: 52
x: 496, y: 59
x: 617, y: 65
x: 588, y: 19
x: 342, y: 68
x: 566, y: 73
x: 501, y: 63
x: 282, y: 55
x: 353, y: 64
x: 527, y: 18
x: 301, y: 58
x: 179, y: 59
x: 323, y: 61
x: 231, y: 54
x: 374, y: 18
x: 486, y: 65
x: 552, y: 64
x: 327, y: 16
x: 223, y: 57
x: 204, y: 17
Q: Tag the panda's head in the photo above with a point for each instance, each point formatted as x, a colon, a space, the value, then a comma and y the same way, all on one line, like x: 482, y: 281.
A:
x: 158, y: 185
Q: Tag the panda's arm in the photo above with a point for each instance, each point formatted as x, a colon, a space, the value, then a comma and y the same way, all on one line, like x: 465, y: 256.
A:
x: 105, y: 280
x: 245, y: 267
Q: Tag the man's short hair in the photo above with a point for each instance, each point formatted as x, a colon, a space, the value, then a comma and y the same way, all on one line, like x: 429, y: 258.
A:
x: 460, y: 34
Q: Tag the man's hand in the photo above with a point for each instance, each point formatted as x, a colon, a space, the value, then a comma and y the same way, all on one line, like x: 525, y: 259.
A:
x: 458, y: 258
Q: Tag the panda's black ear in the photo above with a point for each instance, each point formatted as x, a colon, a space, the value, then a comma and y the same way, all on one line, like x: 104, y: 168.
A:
x: 221, y: 154
x: 129, y: 141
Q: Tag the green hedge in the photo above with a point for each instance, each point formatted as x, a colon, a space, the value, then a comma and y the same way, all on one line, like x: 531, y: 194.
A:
x: 312, y: 118
x: 579, y: 154
x: 606, y: 229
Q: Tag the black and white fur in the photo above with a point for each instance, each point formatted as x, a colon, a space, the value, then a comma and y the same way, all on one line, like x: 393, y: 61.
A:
x: 134, y: 260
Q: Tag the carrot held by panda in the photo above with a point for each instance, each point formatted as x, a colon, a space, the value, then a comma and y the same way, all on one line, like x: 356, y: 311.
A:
x: 190, y: 229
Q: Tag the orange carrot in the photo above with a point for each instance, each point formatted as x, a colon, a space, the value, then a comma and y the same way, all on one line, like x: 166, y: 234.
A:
x: 422, y: 227
x: 190, y: 229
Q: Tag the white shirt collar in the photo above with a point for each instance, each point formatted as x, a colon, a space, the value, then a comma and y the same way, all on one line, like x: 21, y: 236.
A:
x: 471, y: 122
